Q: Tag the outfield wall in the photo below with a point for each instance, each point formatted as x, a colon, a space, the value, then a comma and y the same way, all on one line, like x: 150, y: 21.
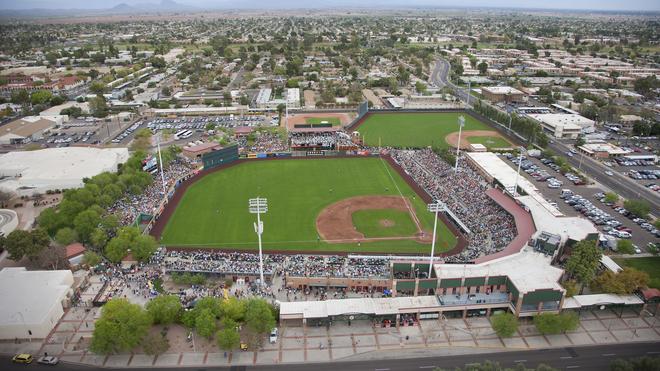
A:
x: 160, y: 221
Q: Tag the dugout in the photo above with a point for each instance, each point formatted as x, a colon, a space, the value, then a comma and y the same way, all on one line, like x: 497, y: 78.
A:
x: 221, y: 156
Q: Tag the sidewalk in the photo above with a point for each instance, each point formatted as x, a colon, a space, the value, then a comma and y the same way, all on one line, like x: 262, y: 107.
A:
x: 360, y: 341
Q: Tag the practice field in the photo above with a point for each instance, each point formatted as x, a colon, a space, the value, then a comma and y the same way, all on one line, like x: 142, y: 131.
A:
x: 334, y: 121
x: 414, y: 130
x: 214, y: 211
x: 490, y: 141
x: 650, y: 265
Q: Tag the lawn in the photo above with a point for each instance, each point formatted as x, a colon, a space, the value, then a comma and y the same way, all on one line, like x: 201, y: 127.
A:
x: 317, y: 120
x: 490, y: 142
x: 214, y: 211
x: 650, y: 265
x: 371, y: 223
x: 414, y: 130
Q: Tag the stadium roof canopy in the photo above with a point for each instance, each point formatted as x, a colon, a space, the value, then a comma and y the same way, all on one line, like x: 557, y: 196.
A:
x: 29, y: 172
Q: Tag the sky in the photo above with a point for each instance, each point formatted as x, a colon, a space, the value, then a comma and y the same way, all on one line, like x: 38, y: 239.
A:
x: 629, y: 5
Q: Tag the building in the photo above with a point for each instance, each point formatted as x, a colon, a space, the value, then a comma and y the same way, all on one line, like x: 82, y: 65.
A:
x: 75, y: 253
x: 266, y: 101
x: 602, y: 149
x: 30, y: 172
x: 564, y: 125
x: 504, y: 94
x: 196, y: 151
x: 28, y: 129
x: 33, y: 301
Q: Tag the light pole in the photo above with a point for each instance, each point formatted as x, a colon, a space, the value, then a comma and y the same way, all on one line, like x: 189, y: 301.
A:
x: 515, y: 189
x: 434, y: 208
x: 259, y: 206
x: 461, y: 123
x: 160, y: 162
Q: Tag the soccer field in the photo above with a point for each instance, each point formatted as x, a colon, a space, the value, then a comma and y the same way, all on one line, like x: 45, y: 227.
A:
x: 414, y: 130
x: 214, y: 211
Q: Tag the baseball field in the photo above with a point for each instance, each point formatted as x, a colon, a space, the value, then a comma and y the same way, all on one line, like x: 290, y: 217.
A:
x: 334, y: 204
x: 414, y: 130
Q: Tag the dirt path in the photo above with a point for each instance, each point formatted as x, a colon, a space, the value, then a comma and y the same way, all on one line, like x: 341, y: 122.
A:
x: 335, y: 222
x: 452, y: 138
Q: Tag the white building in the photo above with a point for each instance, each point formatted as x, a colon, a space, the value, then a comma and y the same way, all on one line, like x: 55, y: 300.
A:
x: 564, y: 125
x: 30, y: 172
x: 32, y: 301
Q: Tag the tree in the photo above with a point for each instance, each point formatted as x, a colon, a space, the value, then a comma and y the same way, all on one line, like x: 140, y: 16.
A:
x: 41, y: 97
x: 639, y: 208
x: 155, y: 344
x: 91, y: 259
x: 625, y: 247
x: 483, y: 67
x: 121, y: 327
x: 166, y: 91
x: 130, y: 238
x: 280, y: 109
x: 584, y: 261
x: 20, y: 96
x: 98, y: 238
x: 504, y: 324
x: 611, y: 197
x: 571, y: 288
x: 97, y: 87
x: 420, y: 87
x: 5, y: 197
x: 85, y: 223
x: 20, y: 243
x: 624, y: 282
x: 65, y: 236
x: 164, y: 309
x: 551, y: 323
x: 636, y: 364
x: 98, y: 107
x: 205, y: 323
x: 228, y: 338
x: 233, y: 309
x: 258, y: 316
x: 142, y: 140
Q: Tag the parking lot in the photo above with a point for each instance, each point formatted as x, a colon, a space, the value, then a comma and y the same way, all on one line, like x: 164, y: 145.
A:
x: 583, y: 200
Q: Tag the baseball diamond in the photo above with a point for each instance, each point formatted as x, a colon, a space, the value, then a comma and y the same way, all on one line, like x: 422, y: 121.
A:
x: 213, y: 212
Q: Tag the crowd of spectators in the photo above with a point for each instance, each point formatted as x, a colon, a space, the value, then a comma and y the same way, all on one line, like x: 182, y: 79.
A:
x: 329, y: 140
x: 262, y: 141
x: 128, y: 208
x: 464, y: 192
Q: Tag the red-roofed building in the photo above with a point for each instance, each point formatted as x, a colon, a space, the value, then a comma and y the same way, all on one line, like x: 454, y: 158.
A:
x: 74, y: 253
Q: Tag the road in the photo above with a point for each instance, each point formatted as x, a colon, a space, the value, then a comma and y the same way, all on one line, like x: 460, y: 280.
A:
x: 623, y: 186
x: 620, y: 184
x: 580, y: 358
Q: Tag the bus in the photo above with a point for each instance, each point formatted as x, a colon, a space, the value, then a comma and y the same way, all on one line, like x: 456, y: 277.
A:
x: 183, y: 134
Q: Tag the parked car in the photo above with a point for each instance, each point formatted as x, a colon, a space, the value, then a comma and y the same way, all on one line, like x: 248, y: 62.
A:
x: 22, y: 358
x: 273, y: 335
x: 48, y: 360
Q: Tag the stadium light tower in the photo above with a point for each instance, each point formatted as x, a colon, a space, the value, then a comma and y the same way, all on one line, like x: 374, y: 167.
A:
x: 160, y: 163
x: 435, y: 207
x: 461, y: 123
x: 515, y: 189
x: 259, y: 206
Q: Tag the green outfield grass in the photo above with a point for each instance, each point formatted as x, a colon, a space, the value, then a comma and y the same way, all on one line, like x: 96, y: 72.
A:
x: 650, y: 265
x: 214, y: 211
x: 490, y: 142
x: 335, y: 121
x: 414, y: 130
x: 368, y: 222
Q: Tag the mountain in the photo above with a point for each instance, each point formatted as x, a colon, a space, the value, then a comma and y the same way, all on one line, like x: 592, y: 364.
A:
x: 121, y: 8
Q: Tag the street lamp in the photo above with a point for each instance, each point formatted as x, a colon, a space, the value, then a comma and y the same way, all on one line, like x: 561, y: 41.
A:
x: 461, y: 123
x: 515, y: 188
x: 436, y: 207
x: 259, y: 206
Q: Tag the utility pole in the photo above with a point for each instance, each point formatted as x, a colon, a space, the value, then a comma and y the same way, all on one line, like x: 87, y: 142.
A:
x: 259, y: 206
x: 461, y: 123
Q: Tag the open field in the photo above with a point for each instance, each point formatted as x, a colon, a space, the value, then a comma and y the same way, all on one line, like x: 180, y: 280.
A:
x: 335, y: 118
x: 414, y: 130
x: 214, y: 211
x: 650, y: 265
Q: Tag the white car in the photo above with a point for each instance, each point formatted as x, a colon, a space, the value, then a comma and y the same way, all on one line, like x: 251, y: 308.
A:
x: 273, y: 335
x: 609, y: 173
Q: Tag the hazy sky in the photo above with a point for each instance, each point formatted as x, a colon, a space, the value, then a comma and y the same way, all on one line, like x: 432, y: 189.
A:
x: 631, y: 5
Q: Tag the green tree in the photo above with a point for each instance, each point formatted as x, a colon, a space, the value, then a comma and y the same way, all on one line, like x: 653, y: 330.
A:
x: 98, y: 238
x: 280, y: 109
x: 504, y: 324
x: 97, y: 87
x: 233, y: 309
x: 639, y: 208
x: 20, y: 243
x: 205, y: 323
x: 85, y: 223
x: 155, y: 344
x: 625, y: 247
x: 65, y: 236
x: 98, y: 107
x: 91, y: 258
x: 121, y: 327
x: 41, y: 97
x: 611, y: 197
x: 259, y: 316
x: 20, y: 96
x: 624, y: 282
x: 483, y: 67
x: 584, y: 261
x: 142, y: 140
x: 130, y: 238
x: 164, y: 309
x: 571, y: 287
x: 228, y: 338
x: 551, y: 323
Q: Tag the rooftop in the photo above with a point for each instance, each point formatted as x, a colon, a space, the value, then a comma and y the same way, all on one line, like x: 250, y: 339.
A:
x: 501, y: 90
